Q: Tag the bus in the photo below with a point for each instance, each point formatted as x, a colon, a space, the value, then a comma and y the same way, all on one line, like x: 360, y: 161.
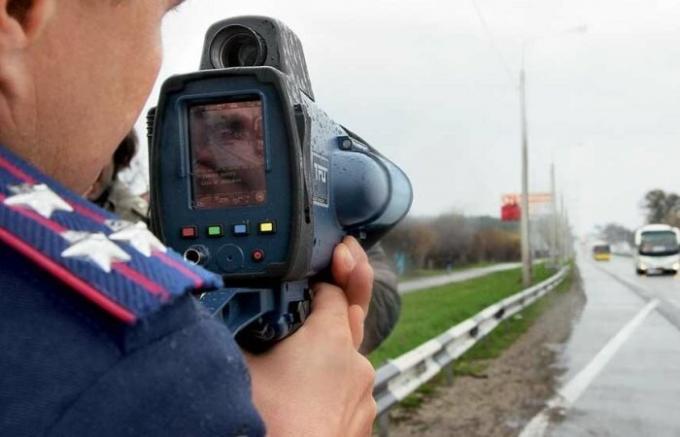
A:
x: 657, y: 249
x: 602, y: 252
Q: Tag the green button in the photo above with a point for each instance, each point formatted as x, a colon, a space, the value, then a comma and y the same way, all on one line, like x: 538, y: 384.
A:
x: 215, y: 231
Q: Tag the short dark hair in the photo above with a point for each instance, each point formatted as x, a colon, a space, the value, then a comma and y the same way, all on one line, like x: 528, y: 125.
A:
x: 18, y: 9
x: 126, y: 150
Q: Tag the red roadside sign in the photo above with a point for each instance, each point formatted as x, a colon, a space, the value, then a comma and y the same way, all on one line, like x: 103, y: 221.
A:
x: 511, y: 210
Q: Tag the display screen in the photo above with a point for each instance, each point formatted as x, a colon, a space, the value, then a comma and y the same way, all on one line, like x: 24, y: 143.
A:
x: 227, y: 154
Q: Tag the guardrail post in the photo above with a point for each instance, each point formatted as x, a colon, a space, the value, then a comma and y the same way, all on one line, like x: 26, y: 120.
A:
x: 448, y: 372
x: 384, y: 424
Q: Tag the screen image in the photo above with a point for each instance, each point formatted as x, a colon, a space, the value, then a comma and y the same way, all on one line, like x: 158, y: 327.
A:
x: 227, y: 154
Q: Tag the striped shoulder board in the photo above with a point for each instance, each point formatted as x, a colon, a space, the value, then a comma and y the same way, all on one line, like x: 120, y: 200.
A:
x: 118, y: 265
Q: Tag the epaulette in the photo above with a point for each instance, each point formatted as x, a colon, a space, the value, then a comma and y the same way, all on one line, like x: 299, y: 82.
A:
x: 118, y: 265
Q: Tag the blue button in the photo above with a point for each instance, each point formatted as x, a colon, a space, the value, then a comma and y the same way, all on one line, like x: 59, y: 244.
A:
x: 240, y: 230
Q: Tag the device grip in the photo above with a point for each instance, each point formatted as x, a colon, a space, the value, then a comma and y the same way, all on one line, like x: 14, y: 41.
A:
x: 259, y: 317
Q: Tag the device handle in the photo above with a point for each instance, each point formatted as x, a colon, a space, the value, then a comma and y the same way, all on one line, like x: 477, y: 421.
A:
x: 238, y: 307
x: 259, y: 317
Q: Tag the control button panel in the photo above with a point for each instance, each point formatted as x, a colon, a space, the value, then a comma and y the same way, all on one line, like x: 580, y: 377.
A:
x: 244, y: 245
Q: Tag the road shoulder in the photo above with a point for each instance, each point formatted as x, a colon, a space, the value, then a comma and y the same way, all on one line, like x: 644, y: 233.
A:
x: 510, y: 390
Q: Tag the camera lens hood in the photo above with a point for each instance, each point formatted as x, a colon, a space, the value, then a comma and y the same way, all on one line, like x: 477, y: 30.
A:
x: 237, y: 46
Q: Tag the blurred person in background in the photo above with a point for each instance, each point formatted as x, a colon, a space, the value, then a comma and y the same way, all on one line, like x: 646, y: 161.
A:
x: 385, y: 306
x: 114, y: 195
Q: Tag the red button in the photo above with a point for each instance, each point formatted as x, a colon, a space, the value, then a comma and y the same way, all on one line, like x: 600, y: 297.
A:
x: 258, y: 255
x: 189, y: 232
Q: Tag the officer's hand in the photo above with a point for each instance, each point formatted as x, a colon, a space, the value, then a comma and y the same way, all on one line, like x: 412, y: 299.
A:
x: 315, y: 383
x: 354, y: 275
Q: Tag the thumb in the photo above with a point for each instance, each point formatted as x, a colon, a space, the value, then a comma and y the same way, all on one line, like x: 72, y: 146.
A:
x: 329, y: 301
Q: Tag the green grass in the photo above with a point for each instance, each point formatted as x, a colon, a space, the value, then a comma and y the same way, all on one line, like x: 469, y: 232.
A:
x: 428, y: 313
x: 475, y: 361
x: 493, y: 345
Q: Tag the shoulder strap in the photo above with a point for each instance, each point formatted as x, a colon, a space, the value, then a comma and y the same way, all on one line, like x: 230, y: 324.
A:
x: 118, y: 265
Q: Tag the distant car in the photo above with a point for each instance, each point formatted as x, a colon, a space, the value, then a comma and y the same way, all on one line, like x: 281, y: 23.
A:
x: 602, y: 252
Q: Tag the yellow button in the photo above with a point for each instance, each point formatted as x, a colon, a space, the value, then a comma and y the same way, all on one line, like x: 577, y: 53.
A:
x: 267, y: 227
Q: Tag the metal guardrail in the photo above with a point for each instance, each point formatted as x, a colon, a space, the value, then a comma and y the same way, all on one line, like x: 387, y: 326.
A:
x: 402, y: 376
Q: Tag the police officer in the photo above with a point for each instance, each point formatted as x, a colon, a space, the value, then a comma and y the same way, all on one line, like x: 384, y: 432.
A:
x: 98, y: 332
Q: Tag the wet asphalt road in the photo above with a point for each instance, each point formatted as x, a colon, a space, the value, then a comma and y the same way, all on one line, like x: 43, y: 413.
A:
x: 622, y: 362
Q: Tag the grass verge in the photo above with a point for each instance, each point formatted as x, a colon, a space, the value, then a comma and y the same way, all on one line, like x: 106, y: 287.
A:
x: 475, y: 361
x: 428, y: 313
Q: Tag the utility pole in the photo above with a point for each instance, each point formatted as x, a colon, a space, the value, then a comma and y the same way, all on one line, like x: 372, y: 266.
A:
x: 554, y: 222
x: 524, y: 225
x: 566, y: 244
x: 524, y: 219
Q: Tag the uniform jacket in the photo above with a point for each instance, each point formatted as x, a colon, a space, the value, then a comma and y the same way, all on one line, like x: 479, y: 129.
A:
x: 99, y: 333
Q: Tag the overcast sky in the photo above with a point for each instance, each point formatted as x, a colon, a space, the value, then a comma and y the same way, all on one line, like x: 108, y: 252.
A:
x: 435, y: 90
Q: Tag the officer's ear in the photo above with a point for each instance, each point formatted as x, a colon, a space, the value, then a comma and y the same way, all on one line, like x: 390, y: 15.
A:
x: 22, y: 21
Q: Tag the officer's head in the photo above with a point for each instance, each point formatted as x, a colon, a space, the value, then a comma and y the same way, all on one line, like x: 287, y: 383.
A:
x: 74, y: 74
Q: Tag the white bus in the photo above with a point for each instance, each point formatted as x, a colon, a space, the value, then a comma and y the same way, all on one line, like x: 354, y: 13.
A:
x: 657, y: 249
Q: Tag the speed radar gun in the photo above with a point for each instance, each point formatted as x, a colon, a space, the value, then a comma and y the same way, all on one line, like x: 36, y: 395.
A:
x: 252, y: 180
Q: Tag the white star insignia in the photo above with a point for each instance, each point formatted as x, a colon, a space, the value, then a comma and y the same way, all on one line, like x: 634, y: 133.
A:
x: 96, y: 248
x: 138, y: 236
x: 39, y: 198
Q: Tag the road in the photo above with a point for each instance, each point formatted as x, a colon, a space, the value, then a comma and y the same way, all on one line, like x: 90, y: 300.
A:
x: 435, y: 281
x: 622, y: 361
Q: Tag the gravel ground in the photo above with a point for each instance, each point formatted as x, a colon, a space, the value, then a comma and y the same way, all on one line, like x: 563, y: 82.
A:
x: 512, y: 389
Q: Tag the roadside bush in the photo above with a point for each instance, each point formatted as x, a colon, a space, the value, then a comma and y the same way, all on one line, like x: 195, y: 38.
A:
x: 496, y: 245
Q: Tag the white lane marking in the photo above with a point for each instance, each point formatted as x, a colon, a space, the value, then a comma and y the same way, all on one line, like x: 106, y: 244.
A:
x: 569, y: 393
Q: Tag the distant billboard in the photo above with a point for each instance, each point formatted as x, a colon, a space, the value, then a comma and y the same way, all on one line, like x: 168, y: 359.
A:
x: 511, y: 212
x: 539, y: 204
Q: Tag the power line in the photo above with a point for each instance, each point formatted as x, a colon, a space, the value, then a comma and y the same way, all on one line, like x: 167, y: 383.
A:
x: 492, y: 41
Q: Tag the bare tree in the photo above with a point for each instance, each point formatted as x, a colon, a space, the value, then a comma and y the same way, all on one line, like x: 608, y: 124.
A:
x: 615, y: 233
x: 662, y: 207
